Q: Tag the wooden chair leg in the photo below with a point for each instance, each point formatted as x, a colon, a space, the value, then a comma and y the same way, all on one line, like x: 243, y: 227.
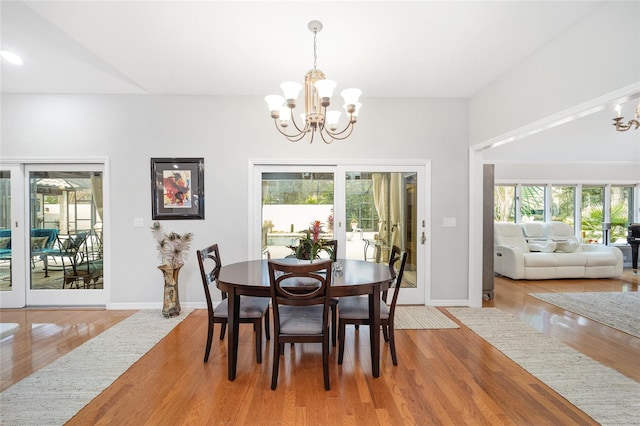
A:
x: 258, y: 327
x: 267, y: 325
x: 385, y: 332
x: 223, y: 329
x: 276, y: 364
x: 334, y: 322
x: 207, y: 349
x: 325, y: 361
x: 342, y: 327
x: 392, y: 345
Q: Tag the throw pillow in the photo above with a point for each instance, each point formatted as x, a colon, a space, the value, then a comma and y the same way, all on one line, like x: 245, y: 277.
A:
x: 5, y: 242
x: 38, y: 243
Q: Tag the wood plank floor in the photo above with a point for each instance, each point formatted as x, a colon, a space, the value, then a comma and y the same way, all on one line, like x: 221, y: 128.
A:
x: 443, y: 376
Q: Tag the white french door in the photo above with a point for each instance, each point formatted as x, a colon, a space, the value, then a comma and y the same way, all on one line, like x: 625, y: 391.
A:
x: 367, y: 208
x: 12, y: 231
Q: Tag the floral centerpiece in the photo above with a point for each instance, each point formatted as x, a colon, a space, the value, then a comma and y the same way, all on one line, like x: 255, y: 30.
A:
x: 311, y: 245
x: 173, y: 248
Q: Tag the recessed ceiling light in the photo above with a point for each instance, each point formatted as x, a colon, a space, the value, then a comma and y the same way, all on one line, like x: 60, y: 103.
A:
x: 10, y: 57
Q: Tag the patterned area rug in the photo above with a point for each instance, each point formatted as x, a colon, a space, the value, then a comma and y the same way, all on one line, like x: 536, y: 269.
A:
x: 618, y: 310
x: 601, y: 392
x: 421, y: 317
x: 55, y: 393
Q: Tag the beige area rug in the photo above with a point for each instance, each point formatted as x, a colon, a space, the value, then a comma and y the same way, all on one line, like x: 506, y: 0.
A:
x: 609, y: 397
x: 410, y: 317
x: 619, y: 310
x: 55, y: 393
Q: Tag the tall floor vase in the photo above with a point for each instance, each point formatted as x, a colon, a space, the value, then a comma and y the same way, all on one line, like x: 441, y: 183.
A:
x: 171, y: 305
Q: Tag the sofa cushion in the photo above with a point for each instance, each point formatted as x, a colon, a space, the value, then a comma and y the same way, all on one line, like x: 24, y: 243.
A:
x: 533, y: 229
x: 537, y: 260
x: 510, y: 234
x: 600, y: 258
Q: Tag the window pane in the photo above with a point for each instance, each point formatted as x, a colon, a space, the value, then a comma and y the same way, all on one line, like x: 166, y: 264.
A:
x: 504, y: 203
x: 66, y: 229
x: 532, y: 203
x: 290, y: 202
x: 5, y: 230
x: 621, y: 214
x: 563, y: 204
x: 592, y: 214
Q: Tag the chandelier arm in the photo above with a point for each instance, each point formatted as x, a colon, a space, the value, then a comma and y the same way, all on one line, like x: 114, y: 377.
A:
x: 293, y: 120
x: 322, y: 132
x: 339, y: 135
x: 290, y: 138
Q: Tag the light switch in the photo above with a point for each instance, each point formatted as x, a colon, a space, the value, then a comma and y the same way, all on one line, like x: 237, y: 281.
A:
x: 138, y: 222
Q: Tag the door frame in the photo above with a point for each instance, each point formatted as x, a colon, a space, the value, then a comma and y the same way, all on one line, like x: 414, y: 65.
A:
x: 16, y: 297
x: 45, y: 297
x: 422, y: 295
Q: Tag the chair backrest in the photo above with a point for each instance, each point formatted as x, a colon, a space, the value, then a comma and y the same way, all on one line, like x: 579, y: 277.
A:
x: 210, y: 265
x: 394, y: 257
x: 299, y: 284
x: 398, y: 281
x: 334, y: 249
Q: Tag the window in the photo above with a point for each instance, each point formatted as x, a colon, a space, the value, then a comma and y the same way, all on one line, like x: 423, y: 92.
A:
x: 592, y: 214
x: 563, y: 199
x: 504, y: 204
x: 621, y: 213
x: 532, y: 203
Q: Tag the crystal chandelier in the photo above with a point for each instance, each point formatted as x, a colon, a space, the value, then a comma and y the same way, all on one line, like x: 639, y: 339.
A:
x: 317, y: 97
x: 620, y: 126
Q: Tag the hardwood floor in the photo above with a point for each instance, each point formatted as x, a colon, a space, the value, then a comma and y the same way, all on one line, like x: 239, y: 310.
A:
x: 442, y: 377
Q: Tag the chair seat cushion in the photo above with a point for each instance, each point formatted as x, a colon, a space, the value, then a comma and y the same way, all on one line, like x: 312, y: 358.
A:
x: 357, y: 307
x: 250, y: 307
x: 301, y: 319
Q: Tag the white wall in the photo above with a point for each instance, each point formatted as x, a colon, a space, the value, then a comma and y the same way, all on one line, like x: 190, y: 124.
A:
x: 597, y: 56
x: 129, y: 130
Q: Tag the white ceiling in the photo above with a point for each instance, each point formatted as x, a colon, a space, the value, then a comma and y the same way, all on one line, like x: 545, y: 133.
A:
x: 388, y: 49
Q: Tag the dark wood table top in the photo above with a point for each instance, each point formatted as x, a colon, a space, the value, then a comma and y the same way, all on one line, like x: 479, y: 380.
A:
x: 352, y: 277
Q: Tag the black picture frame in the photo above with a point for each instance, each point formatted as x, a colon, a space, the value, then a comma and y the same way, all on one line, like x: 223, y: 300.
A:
x: 177, y: 188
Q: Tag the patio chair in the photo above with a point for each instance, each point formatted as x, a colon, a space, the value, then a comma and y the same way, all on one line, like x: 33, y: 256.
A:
x: 252, y: 309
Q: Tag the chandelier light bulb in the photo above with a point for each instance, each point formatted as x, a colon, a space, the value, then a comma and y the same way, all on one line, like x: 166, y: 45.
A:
x: 291, y: 89
x: 351, y: 96
x: 325, y: 88
x: 274, y: 102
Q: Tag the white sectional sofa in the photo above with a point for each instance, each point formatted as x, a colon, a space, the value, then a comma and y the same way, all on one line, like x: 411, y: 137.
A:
x: 550, y: 250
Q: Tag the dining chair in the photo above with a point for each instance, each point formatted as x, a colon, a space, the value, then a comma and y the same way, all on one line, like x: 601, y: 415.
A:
x: 252, y: 309
x: 300, y: 303
x: 355, y: 309
x: 333, y: 302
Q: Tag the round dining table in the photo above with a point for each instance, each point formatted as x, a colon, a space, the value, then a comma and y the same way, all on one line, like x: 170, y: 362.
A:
x: 350, y: 278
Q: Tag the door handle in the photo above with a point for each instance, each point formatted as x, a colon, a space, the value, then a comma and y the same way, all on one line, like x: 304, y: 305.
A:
x: 423, y: 239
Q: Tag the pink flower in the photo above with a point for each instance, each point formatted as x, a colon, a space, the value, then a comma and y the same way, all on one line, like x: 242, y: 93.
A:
x: 315, y: 230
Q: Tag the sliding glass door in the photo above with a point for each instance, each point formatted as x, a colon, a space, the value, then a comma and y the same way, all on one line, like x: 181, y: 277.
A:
x: 367, y: 210
x: 51, y: 234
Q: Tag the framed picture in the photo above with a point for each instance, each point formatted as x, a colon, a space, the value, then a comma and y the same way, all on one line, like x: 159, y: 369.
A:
x: 177, y: 188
